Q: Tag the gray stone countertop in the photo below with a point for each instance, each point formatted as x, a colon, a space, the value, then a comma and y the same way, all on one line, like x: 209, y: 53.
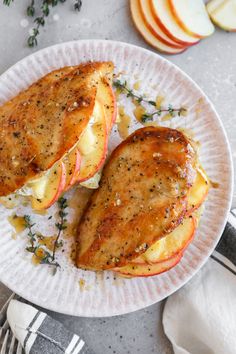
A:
x: 211, y: 63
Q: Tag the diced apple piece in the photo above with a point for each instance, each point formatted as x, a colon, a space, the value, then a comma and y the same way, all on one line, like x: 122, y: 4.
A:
x: 153, y: 26
x: 147, y: 270
x: 107, y: 98
x: 192, y: 17
x: 165, y: 19
x: 56, y: 180
x: 72, y: 163
x: 171, y: 244
x: 224, y: 15
x: 146, y: 33
x: 94, y: 154
x: 198, y: 192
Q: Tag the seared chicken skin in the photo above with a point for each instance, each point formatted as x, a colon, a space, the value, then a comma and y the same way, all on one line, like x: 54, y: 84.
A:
x: 142, y: 197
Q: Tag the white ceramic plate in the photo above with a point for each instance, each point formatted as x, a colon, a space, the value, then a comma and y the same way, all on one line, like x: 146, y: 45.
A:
x: 103, y: 295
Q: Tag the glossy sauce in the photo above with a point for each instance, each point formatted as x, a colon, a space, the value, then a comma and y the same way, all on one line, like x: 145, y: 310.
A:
x: 18, y: 222
x: 48, y: 241
x: 123, y: 123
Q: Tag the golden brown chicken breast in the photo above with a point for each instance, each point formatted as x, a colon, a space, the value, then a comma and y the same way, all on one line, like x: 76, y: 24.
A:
x: 142, y: 197
x: 41, y: 124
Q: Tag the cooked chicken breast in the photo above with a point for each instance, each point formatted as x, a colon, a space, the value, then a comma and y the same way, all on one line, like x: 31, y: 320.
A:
x: 41, y: 124
x: 142, y: 197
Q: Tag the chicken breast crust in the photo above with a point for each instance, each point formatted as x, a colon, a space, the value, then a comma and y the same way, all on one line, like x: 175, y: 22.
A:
x: 38, y: 126
x: 142, y: 197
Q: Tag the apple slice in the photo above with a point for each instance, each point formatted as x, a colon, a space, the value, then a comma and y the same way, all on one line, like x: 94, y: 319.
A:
x: 146, y: 33
x: 93, y: 182
x: 192, y: 17
x: 93, y: 145
x: 213, y: 5
x: 153, y: 26
x: 166, y: 21
x: 224, y: 15
x: 53, y: 187
x: 147, y: 270
x: 106, y: 96
x: 198, y: 192
x: 72, y: 163
x: 170, y: 245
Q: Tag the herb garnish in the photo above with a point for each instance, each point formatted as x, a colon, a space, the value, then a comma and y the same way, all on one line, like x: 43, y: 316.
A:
x: 124, y: 88
x: 61, y: 225
x: 40, y: 20
x: 44, y: 256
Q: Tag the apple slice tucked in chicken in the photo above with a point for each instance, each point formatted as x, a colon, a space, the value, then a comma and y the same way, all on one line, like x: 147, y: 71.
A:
x: 147, y: 270
x: 93, y: 144
x: 49, y: 188
x: 170, y: 245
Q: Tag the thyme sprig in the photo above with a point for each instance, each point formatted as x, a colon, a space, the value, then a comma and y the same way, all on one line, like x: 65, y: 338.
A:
x: 34, y: 246
x: 124, y: 88
x: 40, y: 20
x: 61, y: 225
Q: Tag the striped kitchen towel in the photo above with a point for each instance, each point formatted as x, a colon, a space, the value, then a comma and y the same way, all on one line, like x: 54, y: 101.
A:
x: 40, y: 334
x: 201, y: 317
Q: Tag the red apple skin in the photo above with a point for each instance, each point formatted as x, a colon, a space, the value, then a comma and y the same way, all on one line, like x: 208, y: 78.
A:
x: 155, y: 269
x: 166, y: 31
x: 61, y: 185
x: 59, y: 191
x: 178, y: 51
x: 75, y: 173
x: 115, y: 106
x: 156, y: 34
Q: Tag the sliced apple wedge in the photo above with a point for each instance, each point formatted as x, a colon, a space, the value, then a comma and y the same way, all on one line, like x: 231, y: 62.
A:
x: 146, y: 33
x: 198, y: 192
x: 170, y: 245
x: 153, y: 26
x: 223, y: 14
x: 53, y: 184
x: 147, y: 270
x: 166, y: 21
x: 106, y: 96
x: 213, y: 5
x: 192, y: 17
x: 72, y: 163
x: 93, y: 145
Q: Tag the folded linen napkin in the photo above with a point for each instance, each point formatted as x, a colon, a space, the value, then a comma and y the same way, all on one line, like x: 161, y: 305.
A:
x: 38, y: 333
x: 201, y: 317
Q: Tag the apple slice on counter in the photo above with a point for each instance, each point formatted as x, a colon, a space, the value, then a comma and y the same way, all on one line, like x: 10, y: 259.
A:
x: 223, y: 14
x: 106, y: 96
x: 147, y: 270
x: 93, y: 144
x: 145, y: 32
x: 199, y: 191
x: 153, y: 26
x: 192, y: 17
x: 213, y: 4
x: 167, y: 22
x: 50, y: 186
x: 170, y: 245
x: 72, y: 163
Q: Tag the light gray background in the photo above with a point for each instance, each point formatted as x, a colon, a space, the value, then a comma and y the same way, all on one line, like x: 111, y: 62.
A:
x: 212, y: 64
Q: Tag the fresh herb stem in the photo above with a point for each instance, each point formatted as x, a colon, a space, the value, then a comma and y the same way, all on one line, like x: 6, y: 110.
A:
x: 124, y: 88
x: 61, y: 225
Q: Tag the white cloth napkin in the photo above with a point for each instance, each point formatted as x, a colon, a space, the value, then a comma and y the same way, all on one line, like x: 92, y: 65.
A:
x: 201, y: 317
